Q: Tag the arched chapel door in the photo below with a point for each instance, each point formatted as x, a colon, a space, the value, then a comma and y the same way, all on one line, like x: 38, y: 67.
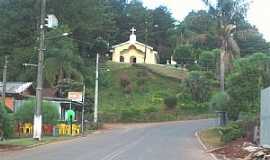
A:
x: 133, y: 60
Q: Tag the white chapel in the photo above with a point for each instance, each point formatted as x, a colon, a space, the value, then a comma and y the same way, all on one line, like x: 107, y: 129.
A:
x: 133, y: 51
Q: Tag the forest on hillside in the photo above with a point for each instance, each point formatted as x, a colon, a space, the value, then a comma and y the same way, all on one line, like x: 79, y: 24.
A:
x: 96, y: 25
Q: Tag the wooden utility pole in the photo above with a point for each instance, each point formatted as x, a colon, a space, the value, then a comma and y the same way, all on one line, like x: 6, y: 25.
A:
x: 4, y: 81
x: 145, y: 40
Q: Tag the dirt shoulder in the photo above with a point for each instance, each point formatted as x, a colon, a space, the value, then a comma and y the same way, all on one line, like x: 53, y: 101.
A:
x: 231, y: 151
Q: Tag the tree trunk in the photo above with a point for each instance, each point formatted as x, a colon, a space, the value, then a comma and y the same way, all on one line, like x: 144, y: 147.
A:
x: 222, y: 66
x: 61, y: 75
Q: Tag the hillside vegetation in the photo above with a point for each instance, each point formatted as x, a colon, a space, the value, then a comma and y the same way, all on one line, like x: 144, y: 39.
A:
x: 137, y: 93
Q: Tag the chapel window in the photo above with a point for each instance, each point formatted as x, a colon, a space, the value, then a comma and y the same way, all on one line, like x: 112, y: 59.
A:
x: 122, y: 59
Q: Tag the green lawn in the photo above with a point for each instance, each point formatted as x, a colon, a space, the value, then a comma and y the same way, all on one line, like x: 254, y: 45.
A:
x: 25, y: 142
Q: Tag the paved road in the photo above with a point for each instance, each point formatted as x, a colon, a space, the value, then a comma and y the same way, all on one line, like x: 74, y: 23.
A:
x: 167, y: 141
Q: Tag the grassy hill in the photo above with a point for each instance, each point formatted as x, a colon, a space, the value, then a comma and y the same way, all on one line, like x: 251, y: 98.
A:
x: 142, y: 99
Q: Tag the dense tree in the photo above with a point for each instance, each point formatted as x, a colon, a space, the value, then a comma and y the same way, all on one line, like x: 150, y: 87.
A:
x: 18, y: 28
x: 183, y: 55
x: 201, y: 28
x: 251, y: 41
x: 161, y: 26
x: 250, y: 75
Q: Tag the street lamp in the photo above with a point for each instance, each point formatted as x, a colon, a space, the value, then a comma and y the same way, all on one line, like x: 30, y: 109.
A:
x: 62, y: 35
x: 29, y: 65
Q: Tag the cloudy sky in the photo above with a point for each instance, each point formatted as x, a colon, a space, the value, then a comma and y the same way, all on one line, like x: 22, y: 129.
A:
x: 259, y: 12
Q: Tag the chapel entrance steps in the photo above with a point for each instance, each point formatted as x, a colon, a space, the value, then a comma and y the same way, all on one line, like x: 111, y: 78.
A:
x: 163, y: 70
x: 138, y: 66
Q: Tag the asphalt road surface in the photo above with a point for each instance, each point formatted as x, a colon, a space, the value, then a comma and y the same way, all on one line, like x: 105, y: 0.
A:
x: 166, y: 141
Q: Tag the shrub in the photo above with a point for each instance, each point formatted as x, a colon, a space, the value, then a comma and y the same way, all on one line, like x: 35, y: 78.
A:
x: 6, y: 123
x: 25, y: 113
x: 231, y: 132
x: 2, y: 114
x: 170, y: 102
x: 151, y: 109
x: 130, y: 115
x: 9, y: 125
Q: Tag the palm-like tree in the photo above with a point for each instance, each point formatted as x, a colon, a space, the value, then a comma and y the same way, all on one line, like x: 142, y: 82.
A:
x: 61, y: 60
x: 226, y: 12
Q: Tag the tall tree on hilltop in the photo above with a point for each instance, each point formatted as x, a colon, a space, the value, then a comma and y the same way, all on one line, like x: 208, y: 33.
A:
x: 227, y: 13
x: 162, y: 24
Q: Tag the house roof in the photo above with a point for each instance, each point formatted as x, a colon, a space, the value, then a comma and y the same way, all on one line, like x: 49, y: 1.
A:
x: 15, y: 87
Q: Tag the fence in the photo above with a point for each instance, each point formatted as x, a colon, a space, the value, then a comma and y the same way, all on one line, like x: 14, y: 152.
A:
x: 265, y: 118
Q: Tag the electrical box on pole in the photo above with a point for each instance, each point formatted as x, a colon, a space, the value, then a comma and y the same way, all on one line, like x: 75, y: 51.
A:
x: 51, y: 21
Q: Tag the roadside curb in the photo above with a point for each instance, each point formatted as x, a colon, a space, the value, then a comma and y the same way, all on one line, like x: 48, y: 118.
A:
x: 204, y: 146
x: 28, y: 147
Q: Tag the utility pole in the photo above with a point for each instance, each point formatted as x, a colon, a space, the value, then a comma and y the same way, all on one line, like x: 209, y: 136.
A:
x: 4, y: 80
x: 145, y: 40
x: 83, y: 101
x: 37, y: 129
x: 96, y: 92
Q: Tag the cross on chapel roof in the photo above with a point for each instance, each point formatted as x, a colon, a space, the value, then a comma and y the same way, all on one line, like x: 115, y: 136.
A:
x: 133, y: 30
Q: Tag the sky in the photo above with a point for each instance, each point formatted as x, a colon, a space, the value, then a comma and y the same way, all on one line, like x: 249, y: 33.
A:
x: 258, y: 14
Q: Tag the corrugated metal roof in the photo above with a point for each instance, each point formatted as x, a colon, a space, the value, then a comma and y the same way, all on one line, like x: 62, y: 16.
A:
x: 15, y: 87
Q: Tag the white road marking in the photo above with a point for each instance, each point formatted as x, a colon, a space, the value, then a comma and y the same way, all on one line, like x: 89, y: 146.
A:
x: 122, y: 150
x: 204, y: 146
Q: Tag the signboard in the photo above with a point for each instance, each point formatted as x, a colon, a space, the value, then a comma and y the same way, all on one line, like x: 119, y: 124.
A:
x: 70, y: 116
x: 265, y: 118
x: 75, y: 96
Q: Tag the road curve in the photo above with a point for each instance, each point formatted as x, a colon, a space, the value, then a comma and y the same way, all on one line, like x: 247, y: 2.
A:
x: 165, y: 141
